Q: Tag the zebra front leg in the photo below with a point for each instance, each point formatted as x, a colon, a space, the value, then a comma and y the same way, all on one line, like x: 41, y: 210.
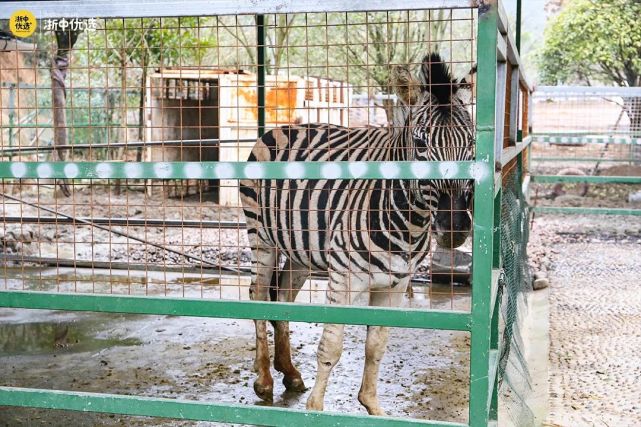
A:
x: 266, y: 259
x: 330, y: 347
x: 291, y: 279
x: 375, y: 346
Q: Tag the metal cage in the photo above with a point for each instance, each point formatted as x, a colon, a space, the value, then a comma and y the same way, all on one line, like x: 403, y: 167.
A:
x: 167, y: 152
x: 586, y: 149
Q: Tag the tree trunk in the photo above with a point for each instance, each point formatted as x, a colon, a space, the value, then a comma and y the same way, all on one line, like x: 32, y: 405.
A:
x: 141, y: 106
x: 60, y: 64
x: 117, y: 153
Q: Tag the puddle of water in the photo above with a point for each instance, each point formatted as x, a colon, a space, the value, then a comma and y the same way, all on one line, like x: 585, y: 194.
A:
x: 65, y: 337
x: 124, y: 282
x: 439, y: 296
x: 178, y: 284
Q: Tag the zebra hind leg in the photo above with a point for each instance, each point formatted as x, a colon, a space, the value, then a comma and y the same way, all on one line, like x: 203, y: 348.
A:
x: 290, y: 281
x: 265, y: 264
x: 375, y: 346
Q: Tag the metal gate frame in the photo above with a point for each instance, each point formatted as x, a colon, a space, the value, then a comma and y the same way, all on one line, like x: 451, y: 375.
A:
x: 502, y: 128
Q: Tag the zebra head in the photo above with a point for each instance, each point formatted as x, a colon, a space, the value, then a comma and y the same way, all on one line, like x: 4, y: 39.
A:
x: 433, y: 121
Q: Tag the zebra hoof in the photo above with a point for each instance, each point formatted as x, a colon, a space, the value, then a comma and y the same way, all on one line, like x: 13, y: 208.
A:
x: 264, y: 391
x: 295, y: 384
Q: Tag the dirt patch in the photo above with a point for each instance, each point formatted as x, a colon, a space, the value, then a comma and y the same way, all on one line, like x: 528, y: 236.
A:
x: 622, y: 170
x: 13, y: 69
x: 161, y: 247
x: 597, y: 195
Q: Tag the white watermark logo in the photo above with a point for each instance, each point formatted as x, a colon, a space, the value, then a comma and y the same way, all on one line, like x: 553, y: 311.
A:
x: 73, y: 24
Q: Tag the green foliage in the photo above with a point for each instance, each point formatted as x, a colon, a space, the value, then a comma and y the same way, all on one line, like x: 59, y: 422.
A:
x: 594, y: 41
x: 88, y: 119
x: 393, y: 38
x: 148, y: 42
x: 355, y: 47
x: 120, y: 53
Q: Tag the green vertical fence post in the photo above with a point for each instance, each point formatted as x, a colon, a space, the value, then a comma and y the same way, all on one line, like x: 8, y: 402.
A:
x: 518, y: 26
x: 483, y: 218
x: 494, y: 324
x: 260, y: 72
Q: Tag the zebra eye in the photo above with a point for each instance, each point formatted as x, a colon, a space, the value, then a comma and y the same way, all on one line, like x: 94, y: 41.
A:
x: 420, y: 141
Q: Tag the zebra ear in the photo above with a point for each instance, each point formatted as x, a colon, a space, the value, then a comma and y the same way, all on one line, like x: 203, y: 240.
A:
x: 465, y: 86
x: 467, y: 82
x: 406, y: 87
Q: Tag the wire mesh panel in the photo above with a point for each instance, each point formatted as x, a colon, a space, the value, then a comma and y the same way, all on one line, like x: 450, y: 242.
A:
x: 133, y: 169
x: 589, y: 136
x: 184, y: 89
x: 516, y: 283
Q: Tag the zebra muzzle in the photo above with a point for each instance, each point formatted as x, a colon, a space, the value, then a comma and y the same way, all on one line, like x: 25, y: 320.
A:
x: 452, y: 223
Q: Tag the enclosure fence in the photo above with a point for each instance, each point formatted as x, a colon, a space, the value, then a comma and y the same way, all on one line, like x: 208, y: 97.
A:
x: 121, y: 167
x: 586, y: 156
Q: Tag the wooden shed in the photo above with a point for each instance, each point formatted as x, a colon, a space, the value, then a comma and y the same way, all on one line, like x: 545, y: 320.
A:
x: 198, y: 114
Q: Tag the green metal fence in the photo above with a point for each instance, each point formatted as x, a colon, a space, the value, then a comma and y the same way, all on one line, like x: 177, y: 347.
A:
x: 579, y: 132
x: 502, y: 97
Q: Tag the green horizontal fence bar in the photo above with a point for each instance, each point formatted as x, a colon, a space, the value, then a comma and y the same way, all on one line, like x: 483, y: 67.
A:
x: 580, y: 133
x: 586, y: 211
x: 583, y: 159
x: 353, y: 315
x: 194, y: 410
x: 241, y: 170
x: 584, y: 139
x: 70, y: 127
x: 548, y: 179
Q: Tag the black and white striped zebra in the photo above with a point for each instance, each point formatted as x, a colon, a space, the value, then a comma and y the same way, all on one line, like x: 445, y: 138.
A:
x: 369, y: 235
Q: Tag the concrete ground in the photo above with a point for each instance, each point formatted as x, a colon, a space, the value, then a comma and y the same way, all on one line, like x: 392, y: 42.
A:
x: 524, y: 397
x: 595, y: 319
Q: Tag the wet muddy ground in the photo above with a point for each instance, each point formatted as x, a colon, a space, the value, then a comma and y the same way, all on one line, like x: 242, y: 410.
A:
x: 149, y: 247
x: 425, y: 374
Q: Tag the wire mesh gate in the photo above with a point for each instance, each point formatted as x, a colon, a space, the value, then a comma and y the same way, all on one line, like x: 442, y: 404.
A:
x: 586, y: 155
x: 189, y: 107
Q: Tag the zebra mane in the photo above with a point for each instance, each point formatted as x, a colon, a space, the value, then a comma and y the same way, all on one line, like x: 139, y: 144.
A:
x: 435, y: 77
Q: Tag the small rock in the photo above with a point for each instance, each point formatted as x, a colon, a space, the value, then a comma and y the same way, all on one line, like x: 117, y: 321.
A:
x: 538, y: 275
x: 634, y: 197
x: 541, y: 283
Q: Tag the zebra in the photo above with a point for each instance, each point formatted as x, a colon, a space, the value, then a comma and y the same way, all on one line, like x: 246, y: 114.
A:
x: 368, y: 235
